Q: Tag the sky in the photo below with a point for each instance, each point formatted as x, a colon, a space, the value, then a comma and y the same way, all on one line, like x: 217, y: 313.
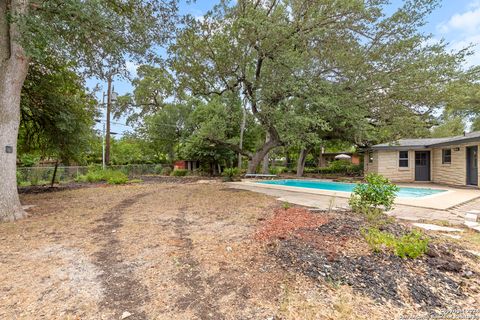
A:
x: 455, y: 21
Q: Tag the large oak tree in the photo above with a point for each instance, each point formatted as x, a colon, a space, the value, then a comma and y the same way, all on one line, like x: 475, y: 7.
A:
x: 364, y: 72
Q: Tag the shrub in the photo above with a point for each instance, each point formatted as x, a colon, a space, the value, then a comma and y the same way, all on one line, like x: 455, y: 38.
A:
x: 230, y: 173
x: 377, y: 192
x: 109, y: 176
x: 116, y: 177
x: 166, y: 171
x: 411, y: 245
x: 277, y: 170
x: 159, y: 169
x: 343, y: 167
x: 179, y: 172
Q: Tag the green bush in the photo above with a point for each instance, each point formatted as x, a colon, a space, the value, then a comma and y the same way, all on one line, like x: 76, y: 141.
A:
x: 116, y: 177
x: 166, y: 171
x: 179, y: 172
x: 230, y: 173
x: 411, y: 245
x: 158, y: 169
x: 277, y: 170
x: 343, y: 167
x: 110, y: 176
x: 28, y: 160
x: 377, y: 192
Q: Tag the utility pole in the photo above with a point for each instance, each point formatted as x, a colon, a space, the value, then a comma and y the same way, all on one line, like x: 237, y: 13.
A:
x: 103, y: 148
x: 109, y: 109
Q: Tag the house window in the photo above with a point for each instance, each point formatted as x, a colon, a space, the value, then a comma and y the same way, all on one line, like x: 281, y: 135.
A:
x: 403, y: 159
x: 446, y: 156
x: 370, y: 157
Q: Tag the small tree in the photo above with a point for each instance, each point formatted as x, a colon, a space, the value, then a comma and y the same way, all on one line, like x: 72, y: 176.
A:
x: 377, y: 193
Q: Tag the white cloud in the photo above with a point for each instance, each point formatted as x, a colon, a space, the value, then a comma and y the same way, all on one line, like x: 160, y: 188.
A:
x: 467, y: 22
x: 463, y: 30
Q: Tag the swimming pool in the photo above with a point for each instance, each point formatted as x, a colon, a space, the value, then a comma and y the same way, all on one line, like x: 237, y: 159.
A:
x: 405, y: 192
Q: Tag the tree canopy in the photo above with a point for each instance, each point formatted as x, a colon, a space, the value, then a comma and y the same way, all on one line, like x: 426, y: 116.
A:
x: 57, y: 113
x: 319, y: 69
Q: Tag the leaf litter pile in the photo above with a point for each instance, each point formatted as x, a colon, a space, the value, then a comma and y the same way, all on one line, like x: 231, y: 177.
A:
x: 329, y: 247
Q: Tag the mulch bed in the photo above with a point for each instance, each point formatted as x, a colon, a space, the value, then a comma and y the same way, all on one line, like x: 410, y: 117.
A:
x: 285, y: 222
x: 330, y: 247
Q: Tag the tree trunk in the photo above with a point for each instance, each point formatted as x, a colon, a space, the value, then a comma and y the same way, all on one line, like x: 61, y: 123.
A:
x: 265, y: 157
x: 260, y: 154
x: 13, y: 70
x: 54, y: 174
x: 242, y: 130
x: 301, y: 161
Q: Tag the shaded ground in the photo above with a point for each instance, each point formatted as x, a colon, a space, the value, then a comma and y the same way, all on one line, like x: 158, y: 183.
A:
x: 170, y: 250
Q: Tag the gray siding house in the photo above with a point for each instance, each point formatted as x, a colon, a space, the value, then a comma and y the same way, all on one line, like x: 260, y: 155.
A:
x: 452, y: 161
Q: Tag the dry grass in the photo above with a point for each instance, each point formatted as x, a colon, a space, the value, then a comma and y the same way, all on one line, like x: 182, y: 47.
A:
x: 186, y: 250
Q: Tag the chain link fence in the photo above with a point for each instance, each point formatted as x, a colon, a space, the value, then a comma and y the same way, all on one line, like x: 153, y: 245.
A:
x: 32, y: 176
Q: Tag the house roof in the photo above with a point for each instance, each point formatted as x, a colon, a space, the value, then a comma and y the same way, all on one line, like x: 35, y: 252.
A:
x: 428, y: 142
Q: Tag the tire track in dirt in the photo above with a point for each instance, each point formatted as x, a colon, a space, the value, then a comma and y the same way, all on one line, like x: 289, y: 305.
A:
x: 202, y: 303
x: 122, y: 292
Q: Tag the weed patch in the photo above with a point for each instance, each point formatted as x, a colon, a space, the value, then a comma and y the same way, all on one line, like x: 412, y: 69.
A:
x: 411, y: 245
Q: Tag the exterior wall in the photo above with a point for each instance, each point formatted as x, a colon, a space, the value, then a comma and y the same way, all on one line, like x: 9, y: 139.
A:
x: 454, y: 173
x: 368, y: 166
x: 385, y: 162
x: 388, y: 166
x: 356, y: 159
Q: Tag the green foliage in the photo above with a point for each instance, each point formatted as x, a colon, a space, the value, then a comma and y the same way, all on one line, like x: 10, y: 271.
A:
x: 159, y: 169
x: 449, y: 126
x: 152, y: 87
x: 130, y: 150
x: 166, y: 171
x: 117, y: 177
x: 110, y: 176
x: 286, y: 205
x: 338, y: 167
x: 164, y: 130
x: 411, y: 245
x: 179, y: 172
x: 285, y: 74
x: 277, y: 170
x: 28, y: 159
x: 230, y: 173
x: 99, y: 35
x: 56, y: 113
x: 377, y: 192
x: 217, y: 120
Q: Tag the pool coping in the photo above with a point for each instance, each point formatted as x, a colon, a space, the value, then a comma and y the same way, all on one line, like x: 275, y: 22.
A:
x: 439, y: 201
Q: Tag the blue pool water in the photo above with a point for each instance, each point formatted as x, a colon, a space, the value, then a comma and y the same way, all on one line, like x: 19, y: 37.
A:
x: 348, y: 187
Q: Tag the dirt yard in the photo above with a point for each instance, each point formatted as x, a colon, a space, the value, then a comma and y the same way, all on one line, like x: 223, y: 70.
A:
x: 195, y: 250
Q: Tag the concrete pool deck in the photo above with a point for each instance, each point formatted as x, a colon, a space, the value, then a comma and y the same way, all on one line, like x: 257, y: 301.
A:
x: 441, y: 201
x: 451, y: 207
